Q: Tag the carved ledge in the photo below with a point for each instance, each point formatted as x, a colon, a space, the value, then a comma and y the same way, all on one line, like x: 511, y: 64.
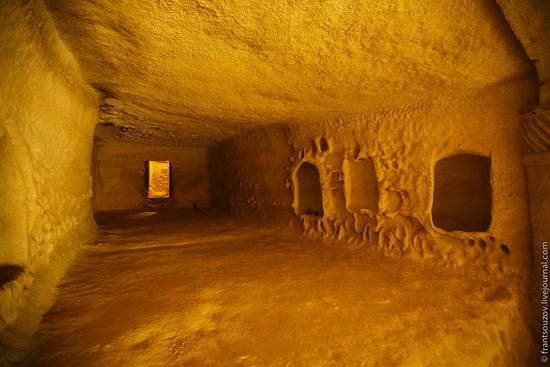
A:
x: 535, y: 130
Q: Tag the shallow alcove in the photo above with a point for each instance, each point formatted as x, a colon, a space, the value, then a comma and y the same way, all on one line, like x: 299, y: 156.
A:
x: 323, y: 144
x: 13, y: 216
x: 360, y: 185
x: 308, y: 194
x: 462, y: 193
x: 9, y: 273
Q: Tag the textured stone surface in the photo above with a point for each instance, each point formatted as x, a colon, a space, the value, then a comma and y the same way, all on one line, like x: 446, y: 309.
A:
x: 535, y: 130
x: 530, y: 20
x: 208, y: 69
x: 398, y: 84
x: 119, y: 172
x: 249, y: 173
x: 404, y: 155
x: 211, y: 290
x: 47, y: 116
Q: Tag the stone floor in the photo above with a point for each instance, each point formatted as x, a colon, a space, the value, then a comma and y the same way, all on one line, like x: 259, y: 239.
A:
x: 175, y: 289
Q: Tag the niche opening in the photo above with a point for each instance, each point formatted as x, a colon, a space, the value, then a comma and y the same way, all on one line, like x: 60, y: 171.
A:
x: 9, y: 273
x: 462, y: 193
x: 308, y: 193
x: 360, y: 185
x: 13, y: 214
x: 158, y: 183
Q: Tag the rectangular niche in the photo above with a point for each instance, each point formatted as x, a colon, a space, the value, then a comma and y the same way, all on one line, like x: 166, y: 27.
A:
x: 13, y: 215
x: 462, y: 197
x: 360, y: 185
x: 158, y: 179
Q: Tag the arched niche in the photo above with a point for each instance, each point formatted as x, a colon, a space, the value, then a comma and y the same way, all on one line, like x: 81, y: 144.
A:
x: 462, y: 197
x: 308, y: 194
x: 360, y: 185
x: 13, y: 215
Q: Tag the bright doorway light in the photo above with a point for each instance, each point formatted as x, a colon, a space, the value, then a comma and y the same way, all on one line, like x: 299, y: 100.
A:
x: 158, y: 179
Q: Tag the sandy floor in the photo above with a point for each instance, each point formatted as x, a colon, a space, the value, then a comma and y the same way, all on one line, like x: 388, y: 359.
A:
x: 210, y: 290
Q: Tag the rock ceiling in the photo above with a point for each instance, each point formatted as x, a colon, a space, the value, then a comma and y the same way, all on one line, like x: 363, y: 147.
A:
x: 200, y: 71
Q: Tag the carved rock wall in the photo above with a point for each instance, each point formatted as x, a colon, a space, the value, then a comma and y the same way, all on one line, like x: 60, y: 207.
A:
x: 47, y: 116
x: 404, y: 146
x: 404, y: 155
x: 249, y: 173
x: 119, y: 175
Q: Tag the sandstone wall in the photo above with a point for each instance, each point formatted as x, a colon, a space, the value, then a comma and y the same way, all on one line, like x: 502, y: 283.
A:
x: 249, y: 173
x: 47, y: 116
x: 530, y: 21
x: 119, y: 170
x: 396, y: 151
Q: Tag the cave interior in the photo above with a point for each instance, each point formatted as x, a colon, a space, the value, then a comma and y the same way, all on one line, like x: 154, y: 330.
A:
x: 287, y: 183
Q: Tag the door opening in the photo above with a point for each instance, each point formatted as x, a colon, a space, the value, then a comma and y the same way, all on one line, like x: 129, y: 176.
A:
x: 158, y: 183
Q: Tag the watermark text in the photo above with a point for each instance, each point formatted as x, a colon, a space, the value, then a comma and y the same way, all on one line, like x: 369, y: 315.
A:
x: 544, y: 302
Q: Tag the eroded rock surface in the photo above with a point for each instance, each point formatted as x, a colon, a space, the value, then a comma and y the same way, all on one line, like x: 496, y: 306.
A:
x: 208, y: 69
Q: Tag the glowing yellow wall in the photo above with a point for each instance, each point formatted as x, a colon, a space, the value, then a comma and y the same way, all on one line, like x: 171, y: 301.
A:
x: 404, y: 145
x: 158, y: 180
x: 47, y: 116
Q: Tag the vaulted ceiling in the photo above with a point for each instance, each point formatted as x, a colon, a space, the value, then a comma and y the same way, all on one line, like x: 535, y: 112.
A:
x: 200, y: 71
